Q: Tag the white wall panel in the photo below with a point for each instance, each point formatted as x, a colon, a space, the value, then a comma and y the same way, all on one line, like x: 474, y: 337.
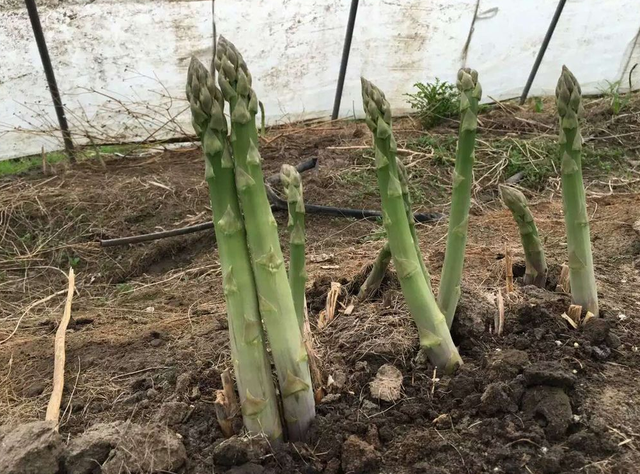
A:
x: 110, y: 56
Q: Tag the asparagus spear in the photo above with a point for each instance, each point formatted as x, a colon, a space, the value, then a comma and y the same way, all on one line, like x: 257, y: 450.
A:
x: 434, y: 334
x: 373, y: 281
x: 376, y: 274
x: 535, y: 263
x: 248, y: 351
x: 297, y: 274
x: 406, y: 196
x: 449, y: 292
x: 274, y: 295
x: 581, y: 273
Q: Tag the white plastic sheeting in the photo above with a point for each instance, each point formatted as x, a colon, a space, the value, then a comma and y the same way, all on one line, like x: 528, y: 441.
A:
x: 121, y: 65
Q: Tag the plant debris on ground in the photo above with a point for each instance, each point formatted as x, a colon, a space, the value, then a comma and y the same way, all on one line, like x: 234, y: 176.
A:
x: 148, y: 338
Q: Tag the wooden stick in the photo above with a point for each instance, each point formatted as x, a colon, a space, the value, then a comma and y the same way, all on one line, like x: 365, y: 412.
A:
x: 499, y: 320
x: 575, y: 313
x: 229, y: 394
x: 226, y: 405
x: 508, y: 269
x: 45, y: 168
x: 225, y: 422
x: 564, y: 282
x: 53, y: 409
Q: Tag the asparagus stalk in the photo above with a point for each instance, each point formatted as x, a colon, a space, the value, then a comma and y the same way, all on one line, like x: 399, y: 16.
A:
x: 274, y: 295
x: 433, y: 332
x: 581, y: 273
x: 376, y: 274
x: 404, y: 183
x: 250, y: 360
x: 297, y: 274
x: 535, y: 263
x: 449, y: 292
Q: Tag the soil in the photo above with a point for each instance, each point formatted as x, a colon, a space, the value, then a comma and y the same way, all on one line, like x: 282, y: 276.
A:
x: 148, y: 339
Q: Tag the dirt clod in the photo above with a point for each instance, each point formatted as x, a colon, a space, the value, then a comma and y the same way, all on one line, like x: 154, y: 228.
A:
x: 596, y: 330
x: 248, y: 468
x: 373, y: 436
x: 589, y: 442
x: 358, y: 456
x: 30, y: 448
x: 505, y: 365
x: 462, y: 385
x: 172, y: 413
x: 124, y: 447
x: 236, y: 451
x: 183, y: 382
x: 387, y: 385
x: 548, y: 373
x: 550, y: 407
x: 613, y: 341
x: 600, y: 353
x: 495, y: 399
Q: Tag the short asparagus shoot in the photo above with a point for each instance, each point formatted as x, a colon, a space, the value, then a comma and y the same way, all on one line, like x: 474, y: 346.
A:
x: 535, y: 262
x: 581, y: 272
x: 376, y: 274
x: 450, y: 280
x: 292, y: 184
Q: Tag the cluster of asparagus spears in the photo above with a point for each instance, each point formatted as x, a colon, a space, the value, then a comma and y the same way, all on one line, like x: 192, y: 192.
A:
x: 264, y: 302
x: 258, y: 293
x: 581, y: 272
x: 433, y: 317
x: 402, y: 243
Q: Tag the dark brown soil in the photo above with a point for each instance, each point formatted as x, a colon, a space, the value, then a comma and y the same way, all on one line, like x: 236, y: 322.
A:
x: 148, y: 340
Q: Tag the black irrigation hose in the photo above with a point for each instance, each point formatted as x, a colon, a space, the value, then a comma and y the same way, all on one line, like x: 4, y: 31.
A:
x: 277, y: 204
x: 281, y: 205
x: 135, y: 239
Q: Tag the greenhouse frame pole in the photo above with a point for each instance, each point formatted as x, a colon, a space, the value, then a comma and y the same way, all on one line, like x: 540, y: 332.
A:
x: 345, y: 58
x: 51, y: 78
x: 543, y: 49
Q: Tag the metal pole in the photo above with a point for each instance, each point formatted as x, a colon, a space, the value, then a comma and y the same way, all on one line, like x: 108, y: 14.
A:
x: 543, y: 49
x: 51, y: 78
x: 345, y: 58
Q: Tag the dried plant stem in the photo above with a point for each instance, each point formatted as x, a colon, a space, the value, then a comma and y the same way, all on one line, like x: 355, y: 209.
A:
x: 53, y: 409
x: 508, y: 269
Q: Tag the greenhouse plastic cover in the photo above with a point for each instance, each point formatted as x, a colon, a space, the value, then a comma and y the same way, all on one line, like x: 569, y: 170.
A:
x: 121, y: 65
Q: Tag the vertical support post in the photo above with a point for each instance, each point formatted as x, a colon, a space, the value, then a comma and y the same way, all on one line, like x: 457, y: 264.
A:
x: 51, y: 78
x: 345, y: 58
x: 543, y: 49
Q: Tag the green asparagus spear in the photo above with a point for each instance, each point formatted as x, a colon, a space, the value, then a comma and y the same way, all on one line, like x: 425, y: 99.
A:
x: 250, y: 360
x: 376, y: 274
x: 274, y: 294
x: 404, y: 182
x: 434, y: 334
x: 449, y: 292
x: 535, y: 263
x: 581, y: 273
x: 297, y: 273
